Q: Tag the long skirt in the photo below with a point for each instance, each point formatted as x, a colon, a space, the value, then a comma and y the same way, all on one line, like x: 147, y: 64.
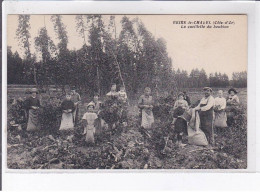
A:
x: 220, y: 119
x: 206, y: 123
x: 90, y: 131
x: 66, y: 121
x: 147, y: 119
x: 33, y: 120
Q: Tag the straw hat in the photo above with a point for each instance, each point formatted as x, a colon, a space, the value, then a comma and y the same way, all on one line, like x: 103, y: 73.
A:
x: 91, y: 104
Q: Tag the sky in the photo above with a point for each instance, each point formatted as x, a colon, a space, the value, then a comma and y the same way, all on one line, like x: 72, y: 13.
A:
x: 221, y: 50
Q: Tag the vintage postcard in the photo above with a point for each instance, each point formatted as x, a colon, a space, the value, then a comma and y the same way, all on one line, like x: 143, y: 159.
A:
x: 127, y: 91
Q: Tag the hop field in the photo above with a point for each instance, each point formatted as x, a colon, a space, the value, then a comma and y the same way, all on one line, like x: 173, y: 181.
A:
x: 127, y: 147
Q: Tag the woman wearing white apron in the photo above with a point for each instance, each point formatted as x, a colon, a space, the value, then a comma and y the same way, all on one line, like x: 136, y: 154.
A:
x: 145, y: 103
x: 220, y: 113
x: 67, y: 107
x: 33, y: 104
x: 89, y: 122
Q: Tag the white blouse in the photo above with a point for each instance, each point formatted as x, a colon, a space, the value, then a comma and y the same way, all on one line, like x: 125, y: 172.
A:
x: 221, y: 102
x: 209, y: 101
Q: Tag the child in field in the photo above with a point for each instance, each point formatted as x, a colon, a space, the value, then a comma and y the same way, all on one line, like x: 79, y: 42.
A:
x: 181, y: 102
x: 67, y: 107
x: 89, y: 121
x: 100, y: 123
x: 180, y: 125
x: 122, y: 94
x: 122, y: 97
x: 180, y: 106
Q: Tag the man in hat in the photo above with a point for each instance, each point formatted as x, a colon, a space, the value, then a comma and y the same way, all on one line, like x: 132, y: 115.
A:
x: 76, y: 99
x: 206, y: 113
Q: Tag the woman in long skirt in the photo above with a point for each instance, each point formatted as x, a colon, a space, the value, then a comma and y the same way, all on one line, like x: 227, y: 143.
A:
x: 220, y: 113
x: 32, y: 105
x: 67, y: 107
x: 145, y: 103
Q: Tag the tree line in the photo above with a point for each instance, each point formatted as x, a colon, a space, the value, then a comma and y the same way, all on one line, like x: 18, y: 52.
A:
x: 133, y: 57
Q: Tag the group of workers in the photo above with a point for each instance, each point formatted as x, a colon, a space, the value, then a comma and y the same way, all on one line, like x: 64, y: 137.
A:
x: 211, y: 111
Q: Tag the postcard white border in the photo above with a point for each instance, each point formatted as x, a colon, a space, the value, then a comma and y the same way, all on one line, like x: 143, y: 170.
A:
x: 53, y: 179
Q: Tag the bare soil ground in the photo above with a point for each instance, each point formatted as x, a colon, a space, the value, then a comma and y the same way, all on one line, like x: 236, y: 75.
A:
x: 127, y: 147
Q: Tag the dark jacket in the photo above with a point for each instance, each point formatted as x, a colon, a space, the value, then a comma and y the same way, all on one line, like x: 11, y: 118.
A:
x: 31, y: 102
x: 187, y: 98
x: 67, y: 104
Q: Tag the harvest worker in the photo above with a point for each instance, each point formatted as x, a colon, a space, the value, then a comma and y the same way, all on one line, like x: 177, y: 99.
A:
x: 122, y: 97
x: 113, y: 94
x: 67, y: 107
x: 32, y: 105
x: 220, y: 113
x: 181, y: 102
x: 232, y: 105
x: 97, y: 110
x: 89, y: 122
x: 145, y: 103
x: 186, y: 97
x: 232, y: 98
x: 76, y: 99
x: 206, y: 113
x: 180, y: 106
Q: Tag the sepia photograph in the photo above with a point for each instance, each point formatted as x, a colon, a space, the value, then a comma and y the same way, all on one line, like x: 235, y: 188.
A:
x: 127, y: 92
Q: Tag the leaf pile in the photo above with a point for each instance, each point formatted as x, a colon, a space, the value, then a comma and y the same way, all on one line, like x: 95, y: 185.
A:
x: 126, y: 148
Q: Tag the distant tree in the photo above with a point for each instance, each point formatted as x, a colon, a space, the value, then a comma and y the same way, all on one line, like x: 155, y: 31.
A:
x: 218, y: 80
x: 203, y: 78
x: 81, y: 27
x: 128, y: 54
x: 62, y: 70
x: 15, y: 68
x: 239, y: 79
x: 61, y: 33
x: 46, y: 47
x: 23, y: 36
x: 96, y: 30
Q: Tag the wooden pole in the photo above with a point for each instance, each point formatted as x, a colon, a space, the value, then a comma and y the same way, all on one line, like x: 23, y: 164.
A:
x: 120, y: 74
